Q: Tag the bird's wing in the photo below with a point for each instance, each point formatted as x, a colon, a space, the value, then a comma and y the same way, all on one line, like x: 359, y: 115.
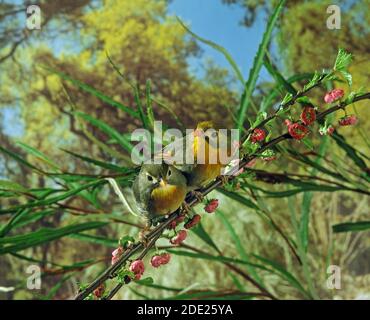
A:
x: 178, y: 153
x: 142, y: 198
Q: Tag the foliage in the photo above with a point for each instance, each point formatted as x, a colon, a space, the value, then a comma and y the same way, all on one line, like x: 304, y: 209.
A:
x: 263, y: 236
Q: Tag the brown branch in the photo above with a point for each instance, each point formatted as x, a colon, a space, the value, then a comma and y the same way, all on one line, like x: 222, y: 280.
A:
x: 192, y: 200
x: 283, y: 106
x: 263, y: 292
x: 12, y: 49
x: 12, y: 12
x: 113, y: 292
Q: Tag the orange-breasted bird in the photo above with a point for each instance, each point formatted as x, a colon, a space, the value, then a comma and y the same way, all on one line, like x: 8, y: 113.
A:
x: 206, y: 146
x: 159, y: 190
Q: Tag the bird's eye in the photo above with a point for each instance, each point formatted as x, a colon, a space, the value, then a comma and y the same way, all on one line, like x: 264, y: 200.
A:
x: 169, y: 172
x: 150, y: 178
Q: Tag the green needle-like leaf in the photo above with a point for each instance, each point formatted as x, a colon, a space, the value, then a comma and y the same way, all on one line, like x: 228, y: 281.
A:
x: 219, y: 48
x: 352, y: 226
x: 257, y: 64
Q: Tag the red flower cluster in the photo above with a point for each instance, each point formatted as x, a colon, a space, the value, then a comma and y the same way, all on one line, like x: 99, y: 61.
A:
x: 137, y: 267
x: 193, y: 221
x: 258, y: 135
x: 116, y: 254
x: 297, y: 131
x: 308, y: 116
x: 161, y: 259
x: 211, y: 206
x: 333, y: 95
x: 348, y: 120
x: 176, y: 222
x: 99, y: 291
x: 179, y: 238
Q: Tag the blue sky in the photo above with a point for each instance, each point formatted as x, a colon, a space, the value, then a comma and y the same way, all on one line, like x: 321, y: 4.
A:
x: 220, y: 23
x: 210, y: 19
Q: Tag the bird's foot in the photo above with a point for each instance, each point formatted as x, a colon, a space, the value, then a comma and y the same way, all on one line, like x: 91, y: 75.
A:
x: 143, y: 238
x: 198, y: 195
x: 143, y: 235
x: 224, y: 179
x: 185, y: 208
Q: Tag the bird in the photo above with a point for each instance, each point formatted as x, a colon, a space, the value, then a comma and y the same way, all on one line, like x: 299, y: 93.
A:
x: 159, y: 190
x: 207, y: 165
x: 205, y: 170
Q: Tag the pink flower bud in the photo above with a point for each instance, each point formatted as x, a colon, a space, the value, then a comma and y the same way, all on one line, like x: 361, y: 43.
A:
x: 194, y: 221
x: 116, y: 254
x: 156, y: 261
x: 211, y: 206
x: 326, y: 130
x: 297, y: 131
x: 333, y: 95
x: 179, y: 238
x: 114, y: 260
x: 166, y: 257
x: 308, y: 115
x: 138, y: 276
x: 330, y: 130
x: 348, y: 120
x: 176, y: 222
x: 99, y: 291
x: 258, y: 135
x: 137, y: 267
x: 172, y: 225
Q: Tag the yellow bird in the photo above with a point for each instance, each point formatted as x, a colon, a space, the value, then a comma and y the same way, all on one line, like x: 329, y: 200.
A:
x: 159, y: 190
x: 206, y: 146
x: 205, y: 170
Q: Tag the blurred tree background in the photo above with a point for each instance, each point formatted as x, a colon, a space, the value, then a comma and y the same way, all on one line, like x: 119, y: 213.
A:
x: 143, y: 41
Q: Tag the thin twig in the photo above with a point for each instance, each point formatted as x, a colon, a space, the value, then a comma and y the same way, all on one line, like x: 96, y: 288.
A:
x: 283, y: 106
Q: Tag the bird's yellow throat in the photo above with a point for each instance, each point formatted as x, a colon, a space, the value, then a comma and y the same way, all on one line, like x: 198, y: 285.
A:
x: 167, y: 198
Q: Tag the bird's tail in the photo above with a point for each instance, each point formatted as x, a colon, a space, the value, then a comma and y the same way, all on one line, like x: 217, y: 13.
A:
x: 120, y: 195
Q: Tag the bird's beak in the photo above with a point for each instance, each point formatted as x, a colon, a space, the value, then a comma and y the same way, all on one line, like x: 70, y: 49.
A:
x: 162, y: 183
